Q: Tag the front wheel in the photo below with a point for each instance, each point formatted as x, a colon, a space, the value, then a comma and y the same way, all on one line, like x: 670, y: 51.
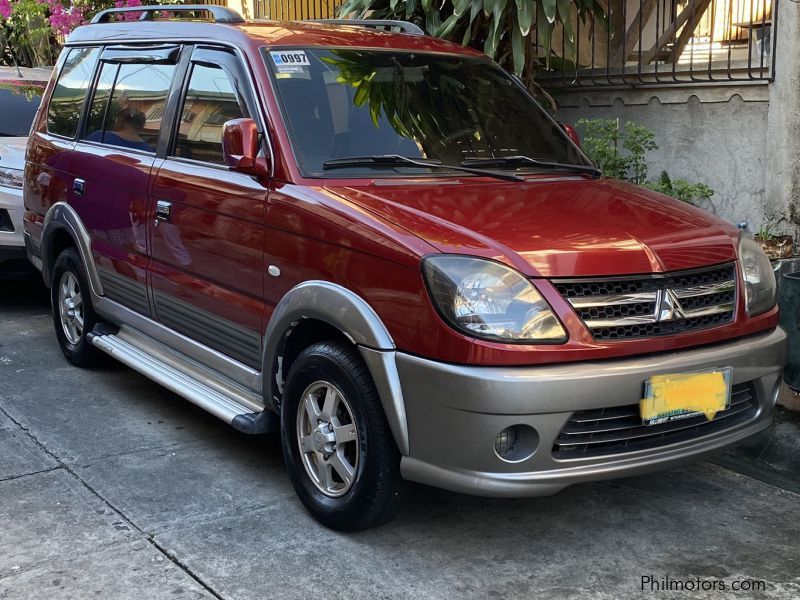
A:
x: 338, y: 449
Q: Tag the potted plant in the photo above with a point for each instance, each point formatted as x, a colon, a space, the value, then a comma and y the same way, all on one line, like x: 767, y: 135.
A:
x: 775, y: 246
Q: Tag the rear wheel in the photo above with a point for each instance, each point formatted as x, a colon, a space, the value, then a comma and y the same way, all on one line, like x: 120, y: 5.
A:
x: 338, y: 449
x: 73, y: 314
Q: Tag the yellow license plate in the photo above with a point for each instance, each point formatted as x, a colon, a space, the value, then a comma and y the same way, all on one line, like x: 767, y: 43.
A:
x: 682, y: 395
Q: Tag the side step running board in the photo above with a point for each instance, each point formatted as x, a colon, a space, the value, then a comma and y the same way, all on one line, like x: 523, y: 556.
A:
x: 207, y: 389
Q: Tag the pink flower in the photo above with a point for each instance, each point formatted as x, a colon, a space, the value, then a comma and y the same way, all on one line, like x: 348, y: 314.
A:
x: 5, y: 9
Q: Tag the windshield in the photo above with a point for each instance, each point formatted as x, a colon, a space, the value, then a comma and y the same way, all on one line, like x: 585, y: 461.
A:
x: 18, y: 103
x: 342, y: 103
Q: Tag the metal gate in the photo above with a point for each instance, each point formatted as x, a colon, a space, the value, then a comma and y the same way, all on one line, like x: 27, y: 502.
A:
x: 295, y: 10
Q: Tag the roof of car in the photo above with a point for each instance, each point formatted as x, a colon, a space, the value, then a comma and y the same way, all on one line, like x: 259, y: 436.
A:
x: 294, y: 34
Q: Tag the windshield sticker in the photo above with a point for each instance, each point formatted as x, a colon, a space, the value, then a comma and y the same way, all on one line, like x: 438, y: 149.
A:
x: 290, y: 61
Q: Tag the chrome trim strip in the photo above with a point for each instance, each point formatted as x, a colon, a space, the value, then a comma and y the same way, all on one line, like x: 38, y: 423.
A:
x: 650, y: 319
x: 594, y: 301
x: 620, y: 322
x: 705, y: 290
x: 708, y: 310
x: 613, y: 300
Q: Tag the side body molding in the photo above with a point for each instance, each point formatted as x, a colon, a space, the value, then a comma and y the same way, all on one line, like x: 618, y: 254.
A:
x: 350, y: 314
x: 61, y: 216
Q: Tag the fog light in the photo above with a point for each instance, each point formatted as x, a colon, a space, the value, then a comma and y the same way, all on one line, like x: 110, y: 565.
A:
x: 516, y: 443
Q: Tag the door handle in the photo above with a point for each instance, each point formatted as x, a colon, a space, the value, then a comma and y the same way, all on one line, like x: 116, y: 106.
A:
x: 163, y: 208
x: 78, y: 186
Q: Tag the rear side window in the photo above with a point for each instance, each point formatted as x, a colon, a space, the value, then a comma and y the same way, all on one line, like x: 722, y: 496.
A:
x: 66, y: 102
x: 210, y: 100
x: 128, y: 105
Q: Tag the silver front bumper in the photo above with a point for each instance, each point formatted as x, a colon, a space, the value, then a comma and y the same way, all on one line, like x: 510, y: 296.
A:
x: 455, y: 412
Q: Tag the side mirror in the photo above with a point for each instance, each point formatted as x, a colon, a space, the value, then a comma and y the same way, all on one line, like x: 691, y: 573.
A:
x: 571, y: 133
x: 240, y: 146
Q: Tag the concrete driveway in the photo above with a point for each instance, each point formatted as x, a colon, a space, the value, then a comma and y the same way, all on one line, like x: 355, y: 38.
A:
x: 112, y: 487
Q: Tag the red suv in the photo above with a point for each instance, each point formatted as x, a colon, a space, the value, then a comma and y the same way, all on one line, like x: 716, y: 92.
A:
x: 378, y: 244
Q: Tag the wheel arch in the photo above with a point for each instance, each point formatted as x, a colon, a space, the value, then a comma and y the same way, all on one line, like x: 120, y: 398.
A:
x: 63, y: 227
x: 318, y: 310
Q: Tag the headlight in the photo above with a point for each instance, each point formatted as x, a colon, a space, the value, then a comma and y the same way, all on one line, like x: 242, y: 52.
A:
x: 759, y: 278
x: 11, y: 177
x: 488, y: 300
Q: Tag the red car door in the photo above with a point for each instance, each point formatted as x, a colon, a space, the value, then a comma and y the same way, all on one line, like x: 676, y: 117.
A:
x: 206, y: 222
x: 112, y: 162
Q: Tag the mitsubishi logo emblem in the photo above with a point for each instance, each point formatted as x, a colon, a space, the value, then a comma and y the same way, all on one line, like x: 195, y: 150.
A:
x: 668, y: 307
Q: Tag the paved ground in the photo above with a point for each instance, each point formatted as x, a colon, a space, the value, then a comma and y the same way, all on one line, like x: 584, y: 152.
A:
x: 111, y: 487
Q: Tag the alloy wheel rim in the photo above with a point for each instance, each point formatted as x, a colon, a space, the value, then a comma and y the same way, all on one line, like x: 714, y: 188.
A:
x: 327, y: 438
x: 70, y: 308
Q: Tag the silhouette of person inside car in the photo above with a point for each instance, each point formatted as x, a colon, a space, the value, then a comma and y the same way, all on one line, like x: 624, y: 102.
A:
x: 126, y: 131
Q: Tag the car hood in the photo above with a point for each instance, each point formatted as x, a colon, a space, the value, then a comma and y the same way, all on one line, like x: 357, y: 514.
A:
x: 553, y: 226
x: 12, y: 152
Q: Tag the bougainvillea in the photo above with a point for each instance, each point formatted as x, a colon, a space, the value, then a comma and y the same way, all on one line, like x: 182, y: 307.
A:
x: 64, y: 18
x: 65, y: 15
x: 5, y: 9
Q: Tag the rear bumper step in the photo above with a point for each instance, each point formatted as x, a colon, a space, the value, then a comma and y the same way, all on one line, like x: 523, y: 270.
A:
x: 208, y: 390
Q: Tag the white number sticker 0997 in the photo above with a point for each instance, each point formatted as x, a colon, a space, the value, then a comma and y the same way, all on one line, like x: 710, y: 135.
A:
x: 289, y: 58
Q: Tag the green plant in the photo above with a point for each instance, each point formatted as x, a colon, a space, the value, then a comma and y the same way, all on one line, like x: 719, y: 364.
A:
x: 621, y: 153
x: 504, y: 29
x: 764, y: 232
x: 680, y: 189
x: 604, y: 140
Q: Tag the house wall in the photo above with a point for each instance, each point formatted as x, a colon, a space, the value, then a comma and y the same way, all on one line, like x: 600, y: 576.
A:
x: 716, y: 136
x: 743, y: 140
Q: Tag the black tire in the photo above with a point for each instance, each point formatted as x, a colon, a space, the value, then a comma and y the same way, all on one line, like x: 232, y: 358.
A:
x: 79, y: 352
x: 374, y: 494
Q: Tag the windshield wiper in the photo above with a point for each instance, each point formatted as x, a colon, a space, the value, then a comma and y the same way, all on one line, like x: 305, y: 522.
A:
x: 394, y: 160
x: 514, y: 161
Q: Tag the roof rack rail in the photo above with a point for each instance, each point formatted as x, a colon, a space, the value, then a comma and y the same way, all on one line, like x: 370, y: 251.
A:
x: 403, y: 26
x: 221, y: 14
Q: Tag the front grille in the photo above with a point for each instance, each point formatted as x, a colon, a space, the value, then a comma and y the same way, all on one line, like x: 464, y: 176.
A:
x: 636, y: 307
x: 604, y: 431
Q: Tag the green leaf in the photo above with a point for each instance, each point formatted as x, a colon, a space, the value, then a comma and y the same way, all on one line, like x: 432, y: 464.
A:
x: 565, y: 17
x: 411, y: 5
x: 545, y: 31
x: 490, y: 46
x: 432, y: 20
x: 393, y: 4
x: 518, y: 47
x: 467, y: 35
x: 460, y: 7
x: 525, y: 15
x: 361, y: 95
x: 375, y: 112
x: 426, y: 7
x: 499, y: 10
x: 549, y: 8
x: 445, y: 28
x: 477, y: 6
